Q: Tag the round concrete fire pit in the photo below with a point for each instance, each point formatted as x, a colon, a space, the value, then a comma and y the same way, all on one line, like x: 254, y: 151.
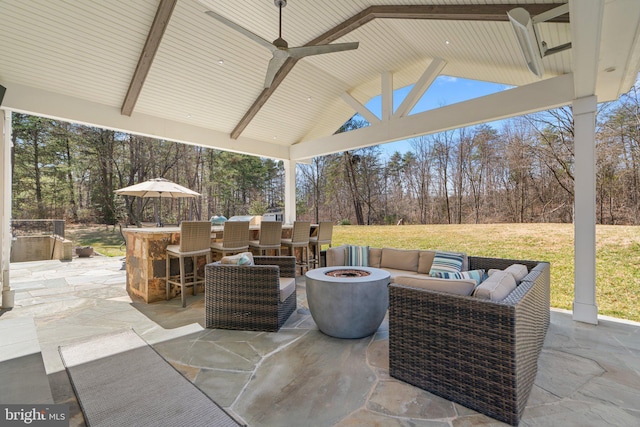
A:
x: 347, y: 302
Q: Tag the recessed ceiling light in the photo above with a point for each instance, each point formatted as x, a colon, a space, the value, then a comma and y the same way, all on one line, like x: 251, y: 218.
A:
x: 275, y: 137
x: 189, y: 116
x: 447, y: 42
x: 220, y: 61
x: 308, y: 98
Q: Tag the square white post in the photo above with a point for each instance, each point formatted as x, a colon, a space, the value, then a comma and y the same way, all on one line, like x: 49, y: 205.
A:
x: 585, y: 308
x: 5, y: 209
x: 289, y: 191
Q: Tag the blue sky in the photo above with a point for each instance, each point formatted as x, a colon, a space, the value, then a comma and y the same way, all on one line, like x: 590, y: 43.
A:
x: 445, y: 90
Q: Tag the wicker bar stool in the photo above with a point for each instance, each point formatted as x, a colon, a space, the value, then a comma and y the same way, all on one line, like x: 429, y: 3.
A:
x: 325, y: 233
x: 270, y: 235
x: 235, y: 238
x: 195, y: 241
x: 299, y: 239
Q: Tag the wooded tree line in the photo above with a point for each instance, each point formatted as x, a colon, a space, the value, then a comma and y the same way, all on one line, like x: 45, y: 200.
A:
x: 63, y: 170
x: 520, y: 172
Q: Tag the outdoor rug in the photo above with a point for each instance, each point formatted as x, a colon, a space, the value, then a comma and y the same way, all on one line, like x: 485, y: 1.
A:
x: 119, y: 380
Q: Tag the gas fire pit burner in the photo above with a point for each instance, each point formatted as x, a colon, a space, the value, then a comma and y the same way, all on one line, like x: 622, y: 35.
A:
x: 347, y: 273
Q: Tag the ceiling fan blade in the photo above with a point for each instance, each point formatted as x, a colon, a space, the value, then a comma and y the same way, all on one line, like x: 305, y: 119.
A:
x: 301, y: 52
x: 242, y: 30
x: 274, y: 65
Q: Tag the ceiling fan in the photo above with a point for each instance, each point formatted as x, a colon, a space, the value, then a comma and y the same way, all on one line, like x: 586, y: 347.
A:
x: 280, y: 48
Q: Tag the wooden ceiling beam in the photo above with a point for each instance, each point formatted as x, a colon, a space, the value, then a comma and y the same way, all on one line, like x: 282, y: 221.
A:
x: 158, y: 27
x: 487, y: 12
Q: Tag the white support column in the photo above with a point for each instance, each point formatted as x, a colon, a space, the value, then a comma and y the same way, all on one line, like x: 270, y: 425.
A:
x: 289, y: 191
x: 387, y: 95
x: 585, y: 308
x: 5, y: 209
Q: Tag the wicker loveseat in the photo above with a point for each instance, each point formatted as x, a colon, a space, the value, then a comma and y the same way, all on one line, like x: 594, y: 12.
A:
x: 250, y: 297
x: 479, y: 353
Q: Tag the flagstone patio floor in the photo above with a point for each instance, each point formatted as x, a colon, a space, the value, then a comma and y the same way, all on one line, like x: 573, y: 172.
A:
x: 587, y: 376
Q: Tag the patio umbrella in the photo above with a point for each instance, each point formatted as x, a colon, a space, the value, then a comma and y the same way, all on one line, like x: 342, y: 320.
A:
x: 157, y: 187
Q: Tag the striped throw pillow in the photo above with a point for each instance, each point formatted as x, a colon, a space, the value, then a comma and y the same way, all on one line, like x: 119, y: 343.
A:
x: 358, y: 256
x: 446, y: 262
x: 477, y: 275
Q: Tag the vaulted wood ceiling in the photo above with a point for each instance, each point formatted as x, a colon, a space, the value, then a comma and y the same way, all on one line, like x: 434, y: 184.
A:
x: 164, y: 68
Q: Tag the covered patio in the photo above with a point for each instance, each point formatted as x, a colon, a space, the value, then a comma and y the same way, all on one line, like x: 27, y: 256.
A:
x: 166, y: 69
x: 587, y: 374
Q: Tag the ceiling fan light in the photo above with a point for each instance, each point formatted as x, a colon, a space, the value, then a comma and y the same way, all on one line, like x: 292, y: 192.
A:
x: 526, y: 36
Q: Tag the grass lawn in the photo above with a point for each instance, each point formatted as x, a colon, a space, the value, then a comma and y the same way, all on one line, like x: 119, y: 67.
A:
x: 617, y: 266
x: 105, y: 240
x: 617, y: 257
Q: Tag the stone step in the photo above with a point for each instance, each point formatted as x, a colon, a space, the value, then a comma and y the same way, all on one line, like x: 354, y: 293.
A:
x: 22, y: 372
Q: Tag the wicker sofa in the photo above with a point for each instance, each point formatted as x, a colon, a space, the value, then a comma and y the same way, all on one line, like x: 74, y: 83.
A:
x: 397, y: 262
x: 250, y: 297
x: 479, y: 353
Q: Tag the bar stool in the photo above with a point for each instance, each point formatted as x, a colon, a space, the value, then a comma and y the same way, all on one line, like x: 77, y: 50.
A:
x: 195, y: 241
x: 270, y: 235
x: 325, y: 233
x: 235, y: 238
x: 299, y: 239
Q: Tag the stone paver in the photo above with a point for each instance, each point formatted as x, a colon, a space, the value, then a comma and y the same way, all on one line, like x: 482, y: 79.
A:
x: 587, y: 376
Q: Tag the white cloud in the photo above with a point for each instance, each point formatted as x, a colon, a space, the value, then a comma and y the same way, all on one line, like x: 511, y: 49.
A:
x: 448, y: 79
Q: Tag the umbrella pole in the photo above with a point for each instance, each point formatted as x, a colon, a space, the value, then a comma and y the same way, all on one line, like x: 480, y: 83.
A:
x: 160, y: 224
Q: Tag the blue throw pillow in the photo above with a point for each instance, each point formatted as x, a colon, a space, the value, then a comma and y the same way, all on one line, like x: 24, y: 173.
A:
x: 358, y: 256
x: 447, y: 262
x: 477, y: 275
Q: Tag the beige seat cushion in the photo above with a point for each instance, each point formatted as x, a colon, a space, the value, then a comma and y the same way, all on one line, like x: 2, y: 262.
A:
x: 375, y: 254
x: 395, y: 273
x: 518, y: 271
x: 496, y: 287
x: 400, y: 259
x: 425, y: 261
x: 287, y: 287
x: 336, y: 256
x: 452, y: 286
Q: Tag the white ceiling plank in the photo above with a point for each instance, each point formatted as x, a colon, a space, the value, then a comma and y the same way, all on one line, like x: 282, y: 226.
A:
x: 543, y: 95
x: 426, y: 79
x: 30, y: 100
x: 209, y: 76
x: 618, y: 53
x: 359, y: 108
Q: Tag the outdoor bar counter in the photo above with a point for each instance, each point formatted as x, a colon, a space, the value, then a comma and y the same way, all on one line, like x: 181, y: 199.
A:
x: 147, y: 254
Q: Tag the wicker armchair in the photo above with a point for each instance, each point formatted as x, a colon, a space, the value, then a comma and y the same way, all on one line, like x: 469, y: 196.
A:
x: 248, y: 297
x: 479, y: 353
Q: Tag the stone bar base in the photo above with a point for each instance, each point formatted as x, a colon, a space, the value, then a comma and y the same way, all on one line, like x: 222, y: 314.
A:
x: 146, y: 258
